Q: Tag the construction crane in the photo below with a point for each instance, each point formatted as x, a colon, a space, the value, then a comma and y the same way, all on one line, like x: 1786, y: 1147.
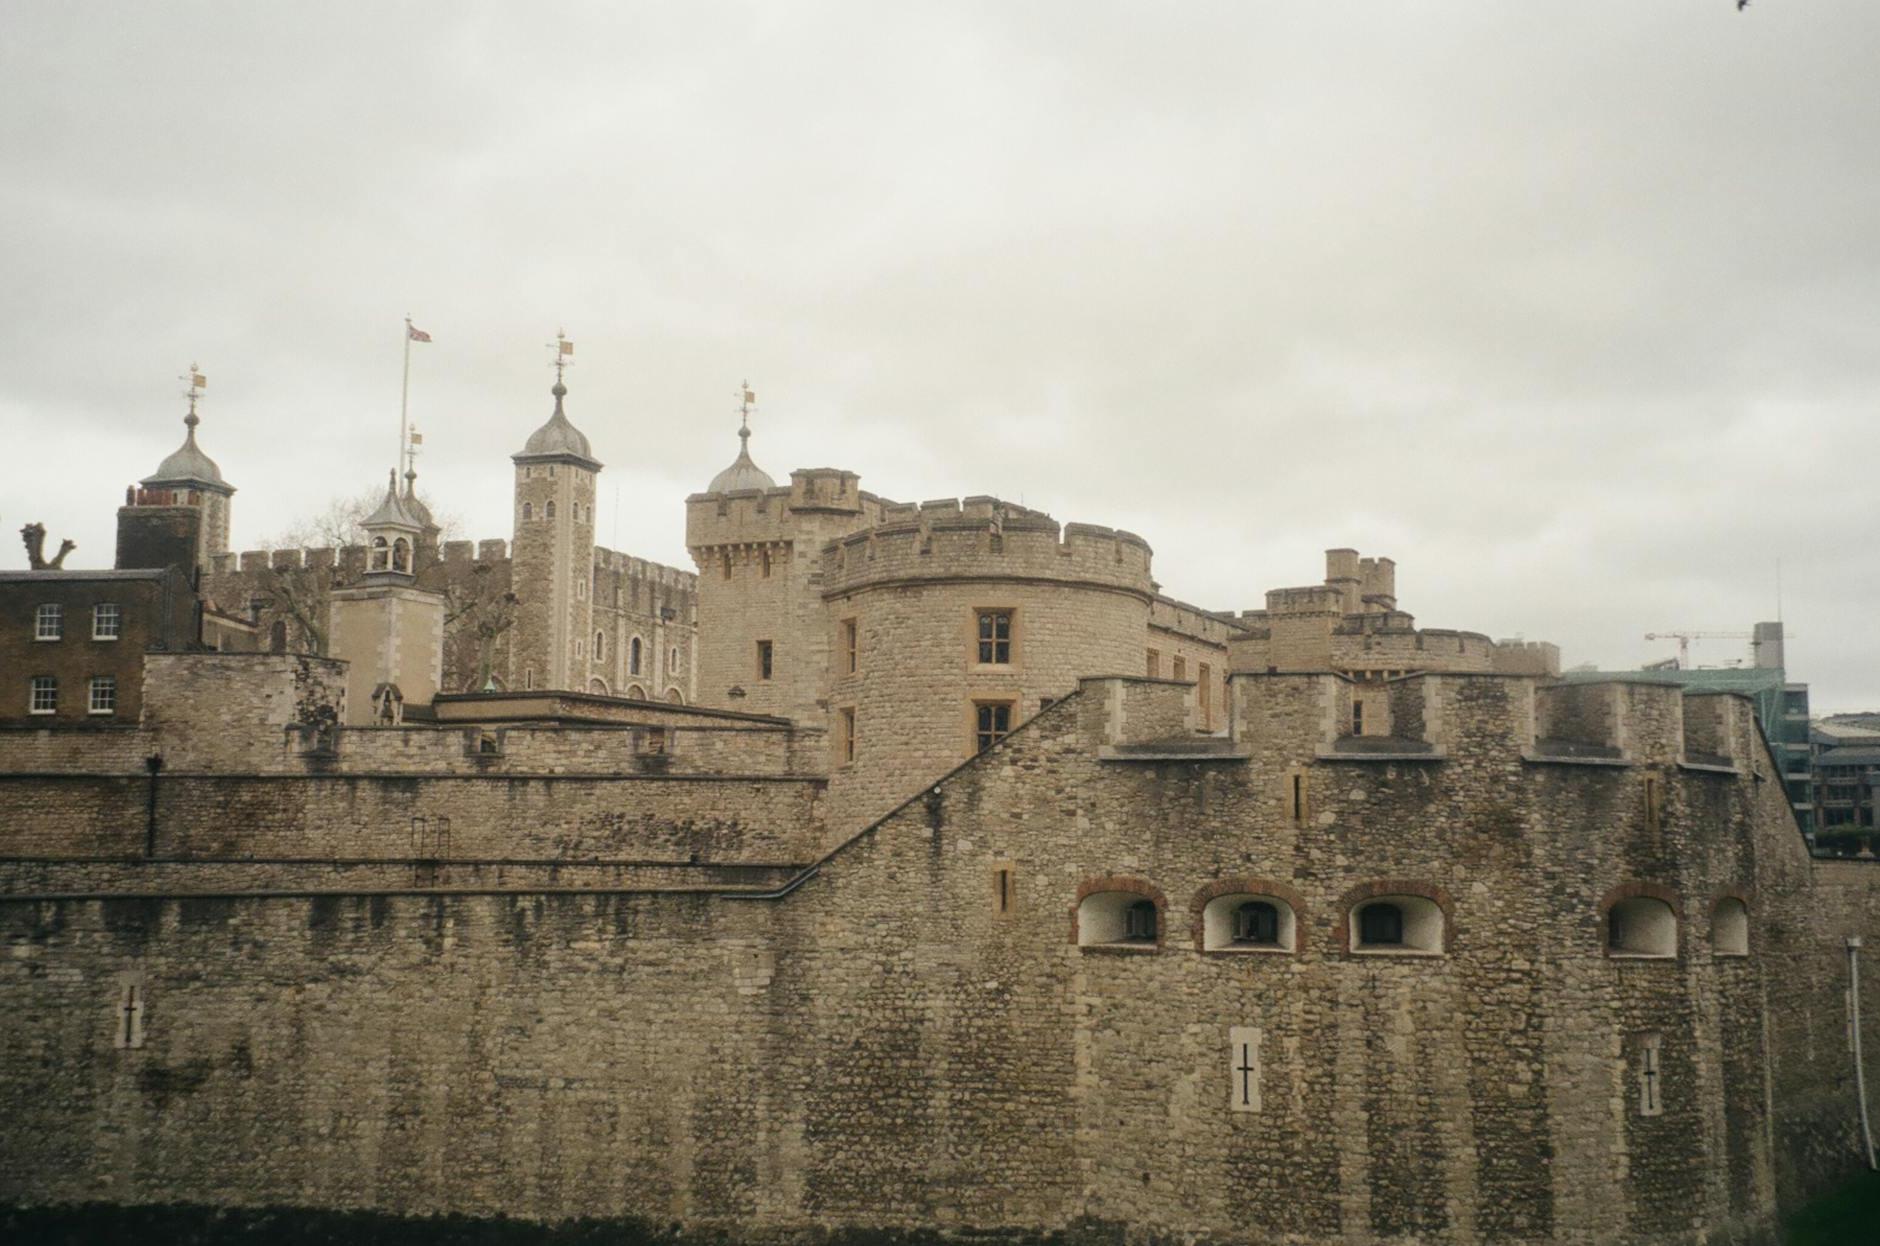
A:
x: 1684, y: 640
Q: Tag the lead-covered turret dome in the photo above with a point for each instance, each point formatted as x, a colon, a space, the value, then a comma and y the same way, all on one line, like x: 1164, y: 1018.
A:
x: 743, y: 473
x: 558, y: 439
x: 187, y: 464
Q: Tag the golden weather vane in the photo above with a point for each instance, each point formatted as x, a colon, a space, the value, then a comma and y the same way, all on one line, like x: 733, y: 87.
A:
x: 197, y: 383
x: 564, y: 353
x: 746, y: 397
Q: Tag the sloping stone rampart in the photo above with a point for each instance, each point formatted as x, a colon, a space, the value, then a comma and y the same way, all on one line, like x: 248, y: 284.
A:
x: 889, y: 1044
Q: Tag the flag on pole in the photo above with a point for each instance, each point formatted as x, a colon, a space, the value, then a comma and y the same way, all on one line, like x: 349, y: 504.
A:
x: 417, y: 334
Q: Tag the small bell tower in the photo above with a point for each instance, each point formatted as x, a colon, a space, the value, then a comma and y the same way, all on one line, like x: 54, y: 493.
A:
x: 392, y: 533
x: 389, y: 630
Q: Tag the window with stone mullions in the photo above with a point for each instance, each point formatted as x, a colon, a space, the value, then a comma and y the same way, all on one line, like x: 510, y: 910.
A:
x: 992, y: 723
x: 995, y: 637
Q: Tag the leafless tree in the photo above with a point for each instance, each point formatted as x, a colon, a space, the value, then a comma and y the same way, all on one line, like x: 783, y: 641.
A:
x: 298, y: 593
x: 486, y: 609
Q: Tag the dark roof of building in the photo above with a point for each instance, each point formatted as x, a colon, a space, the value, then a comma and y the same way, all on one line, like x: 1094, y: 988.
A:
x: 1849, y: 757
x: 1715, y: 679
x: 63, y: 576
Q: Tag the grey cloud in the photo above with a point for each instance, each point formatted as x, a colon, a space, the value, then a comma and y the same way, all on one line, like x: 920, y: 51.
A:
x: 1571, y: 310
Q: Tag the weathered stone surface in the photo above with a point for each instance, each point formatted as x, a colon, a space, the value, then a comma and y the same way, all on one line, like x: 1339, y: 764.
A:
x: 887, y: 1044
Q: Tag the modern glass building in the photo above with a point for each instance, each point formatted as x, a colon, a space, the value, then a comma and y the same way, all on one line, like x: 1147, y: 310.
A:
x: 1781, y: 707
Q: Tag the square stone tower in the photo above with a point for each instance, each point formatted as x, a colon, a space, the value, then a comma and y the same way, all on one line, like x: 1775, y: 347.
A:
x: 553, y: 554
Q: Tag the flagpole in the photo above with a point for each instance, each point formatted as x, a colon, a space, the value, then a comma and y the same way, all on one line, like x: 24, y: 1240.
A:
x: 404, y: 398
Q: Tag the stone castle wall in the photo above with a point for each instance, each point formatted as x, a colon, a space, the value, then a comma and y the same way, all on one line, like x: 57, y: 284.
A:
x: 913, y: 1038
x: 1188, y: 643
x: 628, y: 596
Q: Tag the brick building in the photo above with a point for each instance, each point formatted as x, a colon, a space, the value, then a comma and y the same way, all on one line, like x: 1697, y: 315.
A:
x: 73, y: 642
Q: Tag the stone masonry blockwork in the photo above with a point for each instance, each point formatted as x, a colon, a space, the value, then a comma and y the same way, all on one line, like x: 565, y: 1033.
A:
x: 879, y: 1045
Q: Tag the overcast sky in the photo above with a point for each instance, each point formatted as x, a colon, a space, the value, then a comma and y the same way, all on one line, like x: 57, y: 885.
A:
x: 1573, y: 309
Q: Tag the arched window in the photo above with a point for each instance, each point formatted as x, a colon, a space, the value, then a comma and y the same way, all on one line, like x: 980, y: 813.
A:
x: 1729, y: 928
x: 600, y: 646
x: 675, y: 696
x: 1381, y: 924
x: 597, y: 686
x: 1403, y: 924
x: 381, y: 554
x: 549, y: 511
x: 1116, y: 912
x: 633, y: 656
x: 401, y: 555
x: 1641, y: 926
x: 1244, y: 916
x: 528, y: 510
x: 635, y: 693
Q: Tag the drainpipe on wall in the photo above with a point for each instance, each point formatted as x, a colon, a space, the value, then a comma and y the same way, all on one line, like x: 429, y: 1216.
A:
x: 1860, y: 1073
x: 152, y: 763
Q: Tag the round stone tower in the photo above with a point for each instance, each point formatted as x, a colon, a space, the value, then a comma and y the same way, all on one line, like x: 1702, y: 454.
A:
x: 954, y: 622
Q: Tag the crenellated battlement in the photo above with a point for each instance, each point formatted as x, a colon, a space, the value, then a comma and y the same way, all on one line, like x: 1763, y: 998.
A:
x: 1180, y: 617
x: 1484, y: 715
x: 1526, y: 657
x: 817, y: 503
x: 352, y: 557
x: 1306, y: 599
x: 983, y: 538
x: 645, y: 570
